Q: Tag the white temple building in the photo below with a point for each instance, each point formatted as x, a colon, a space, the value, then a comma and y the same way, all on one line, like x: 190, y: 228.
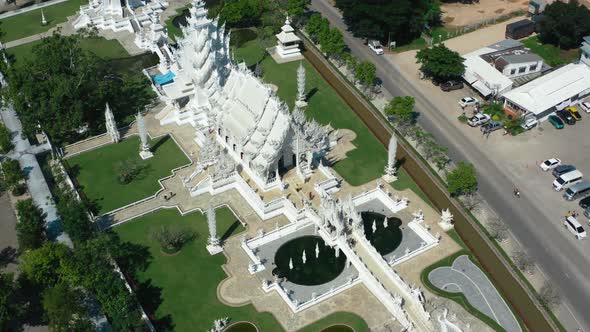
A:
x: 288, y: 43
x: 135, y: 16
x: 206, y: 90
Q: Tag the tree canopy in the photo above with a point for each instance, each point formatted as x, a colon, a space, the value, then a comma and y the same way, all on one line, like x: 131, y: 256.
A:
x: 30, y: 228
x: 462, y: 179
x: 376, y: 19
x: 440, y: 63
x: 401, y: 108
x: 10, y: 307
x: 12, y: 174
x: 63, y: 87
x: 564, y: 24
x: 66, y: 310
x: 366, y: 73
x: 242, y: 13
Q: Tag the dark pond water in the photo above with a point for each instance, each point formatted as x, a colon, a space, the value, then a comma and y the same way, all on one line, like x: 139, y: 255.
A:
x: 242, y: 327
x: 384, y: 239
x: 315, y: 271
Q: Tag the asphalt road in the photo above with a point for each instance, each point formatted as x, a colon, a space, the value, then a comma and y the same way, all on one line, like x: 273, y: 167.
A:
x: 559, y: 257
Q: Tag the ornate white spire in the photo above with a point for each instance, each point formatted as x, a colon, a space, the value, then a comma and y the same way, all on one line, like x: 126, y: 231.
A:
x: 390, y: 170
x: 144, y: 147
x: 212, y: 223
x: 301, y: 86
x: 111, y: 125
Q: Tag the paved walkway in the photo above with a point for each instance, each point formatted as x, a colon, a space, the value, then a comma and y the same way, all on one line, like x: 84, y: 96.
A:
x: 465, y: 277
x: 8, y: 239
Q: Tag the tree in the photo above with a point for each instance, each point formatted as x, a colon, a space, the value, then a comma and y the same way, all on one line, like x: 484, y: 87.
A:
x: 296, y: 8
x: 10, y: 307
x: 66, y: 310
x: 332, y: 42
x: 440, y: 63
x: 12, y: 174
x: 462, y: 179
x: 74, y: 218
x: 30, y: 228
x: 524, y: 262
x: 365, y: 73
x: 242, y: 13
x: 403, y: 20
x: 128, y: 170
x: 43, y: 265
x: 498, y: 230
x: 5, y: 139
x: 171, y: 240
x: 316, y: 25
x: 471, y: 201
x: 564, y: 24
x: 401, y: 108
x: 549, y: 296
x: 63, y: 87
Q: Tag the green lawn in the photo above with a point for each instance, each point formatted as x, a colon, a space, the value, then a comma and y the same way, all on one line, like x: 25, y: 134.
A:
x: 363, y: 164
x: 553, y: 56
x: 106, y: 49
x: 182, y: 288
x: 404, y: 181
x: 94, y: 171
x: 29, y: 23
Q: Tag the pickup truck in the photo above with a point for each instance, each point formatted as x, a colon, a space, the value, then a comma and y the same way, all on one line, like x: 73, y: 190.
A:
x: 478, y: 119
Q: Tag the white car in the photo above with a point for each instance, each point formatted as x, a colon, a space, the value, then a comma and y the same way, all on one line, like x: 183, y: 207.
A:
x: 550, y: 163
x: 478, y: 119
x: 585, y: 106
x: 529, y: 123
x: 467, y: 101
x: 375, y: 46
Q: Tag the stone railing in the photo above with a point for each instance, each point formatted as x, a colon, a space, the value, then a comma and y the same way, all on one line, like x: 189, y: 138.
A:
x: 394, y: 205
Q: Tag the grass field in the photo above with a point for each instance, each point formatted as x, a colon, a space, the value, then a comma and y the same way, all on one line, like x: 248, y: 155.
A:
x: 106, y: 49
x: 363, y: 164
x: 94, y: 171
x: 29, y: 23
x: 553, y: 56
x: 181, y: 290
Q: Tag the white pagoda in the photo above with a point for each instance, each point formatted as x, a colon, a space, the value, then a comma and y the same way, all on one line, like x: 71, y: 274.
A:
x: 288, y: 44
x: 221, y: 98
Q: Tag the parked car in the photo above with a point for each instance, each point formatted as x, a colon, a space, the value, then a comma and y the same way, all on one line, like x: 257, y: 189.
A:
x: 491, y: 126
x: 376, y: 47
x: 556, y: 121
x: 562, y: 169
x: 574, y: 227
x: 478, y: 119
x: 585, y: 106
x: 574, y: 113
x: 451, y: 85
x: 587, y: 213
x: 529, y: 123
x: 585, y: 203
x: 467, y: 101
x: 566, y: 117
x: 550, y: 163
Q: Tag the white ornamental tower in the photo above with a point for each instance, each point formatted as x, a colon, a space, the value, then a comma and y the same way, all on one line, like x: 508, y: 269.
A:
x: 301, y: 103
x: 213, y: 243
x: 144, y: 147
x: 288, y: 44
x: 390, y: 170
x: 111, y: 125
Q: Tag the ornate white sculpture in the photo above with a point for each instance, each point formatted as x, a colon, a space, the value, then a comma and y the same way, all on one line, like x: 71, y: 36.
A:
x: 43, y: 20
x: 390, y: 170
x: 111, y: 125
x: 374, y: 227
x: 446, y: 220
x: 385, y: 223
x: 287, y: 48
x: 144, y: 147
x: 290, y: 263
x: 317, y: 250
x: 304, y: 257
x: 213, y: 243
x: 301, y: 102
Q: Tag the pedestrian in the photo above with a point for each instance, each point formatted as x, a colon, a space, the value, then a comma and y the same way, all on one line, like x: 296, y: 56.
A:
x: 569, y: 213
x: 166, y: 197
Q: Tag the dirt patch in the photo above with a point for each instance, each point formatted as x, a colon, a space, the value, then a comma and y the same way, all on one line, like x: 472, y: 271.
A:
x: 448, y: 19
x: 499, y: 11
x: 469, y: 14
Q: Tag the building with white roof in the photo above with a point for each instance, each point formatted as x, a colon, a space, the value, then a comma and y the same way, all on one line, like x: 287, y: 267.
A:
x: 549, y: 93
x: 206, y: 90
x: 495, y: 69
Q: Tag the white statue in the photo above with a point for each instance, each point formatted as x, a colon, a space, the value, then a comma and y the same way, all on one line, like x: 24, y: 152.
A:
x: 385, y: 223
x: 446, y: 220
x: 43, y: 19
x: 317, y: 250
x: 301, y: 87
x: 290, y: 263
x: 390, y: 170
x: 144, y: 148
x: 111, y: 125
x: 214, y: 245
x: 304, y: 257
x: 374, y: 226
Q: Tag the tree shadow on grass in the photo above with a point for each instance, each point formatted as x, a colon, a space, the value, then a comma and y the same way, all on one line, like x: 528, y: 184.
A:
x: 159, y: 143
x: 311, y: 93
x: 150, y: 297
x: 230, y: 231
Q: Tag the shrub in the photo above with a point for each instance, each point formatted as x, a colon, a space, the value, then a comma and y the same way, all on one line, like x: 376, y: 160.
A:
x: 462, y: 118
x: 172, y: 240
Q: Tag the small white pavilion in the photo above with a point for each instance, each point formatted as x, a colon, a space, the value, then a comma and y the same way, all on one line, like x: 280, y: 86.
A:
x: 288, y: 44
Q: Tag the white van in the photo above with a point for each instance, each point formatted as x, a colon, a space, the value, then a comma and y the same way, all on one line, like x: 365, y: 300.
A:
x: 567, y: 179
x: 574, y: 227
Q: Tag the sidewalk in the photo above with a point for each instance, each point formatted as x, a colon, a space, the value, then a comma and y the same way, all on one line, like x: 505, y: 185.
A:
x: 30, y: 8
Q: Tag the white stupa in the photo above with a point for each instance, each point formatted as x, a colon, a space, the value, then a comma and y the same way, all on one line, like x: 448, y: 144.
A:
x: 288, y: 44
